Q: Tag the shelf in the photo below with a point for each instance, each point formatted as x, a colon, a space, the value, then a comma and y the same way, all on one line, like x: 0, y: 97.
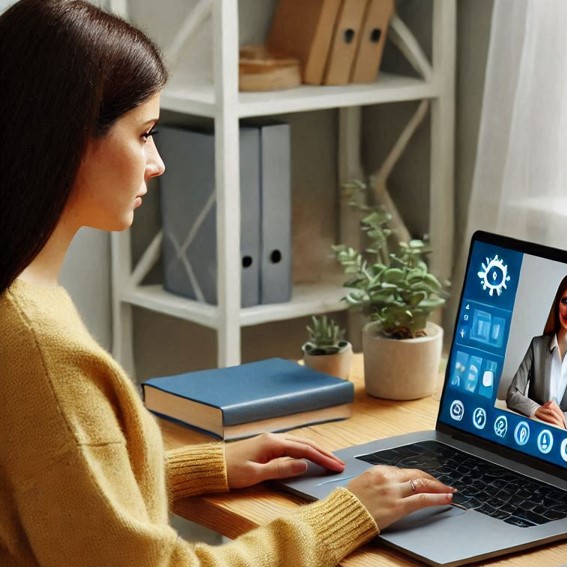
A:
x: 155, y: 298
x: 199, y: 100
x: 207, y: 87
x: 307, y: 299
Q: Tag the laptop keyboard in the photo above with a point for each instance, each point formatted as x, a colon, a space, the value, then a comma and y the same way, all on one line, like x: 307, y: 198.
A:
x: 483, y: 486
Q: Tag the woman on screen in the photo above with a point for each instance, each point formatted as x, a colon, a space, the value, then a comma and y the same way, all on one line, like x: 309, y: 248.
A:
x: 538, y: 387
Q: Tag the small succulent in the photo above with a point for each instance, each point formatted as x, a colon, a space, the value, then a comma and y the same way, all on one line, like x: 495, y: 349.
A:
x: 395, y: 289
x: 325, y: 336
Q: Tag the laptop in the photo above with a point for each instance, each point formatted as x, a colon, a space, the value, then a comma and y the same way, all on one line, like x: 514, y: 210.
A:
x: 511, y: 470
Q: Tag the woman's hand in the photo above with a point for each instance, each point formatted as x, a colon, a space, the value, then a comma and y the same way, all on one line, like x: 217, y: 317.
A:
x: 274, y: 456
x: 551, y: 413
x: 390, y: 493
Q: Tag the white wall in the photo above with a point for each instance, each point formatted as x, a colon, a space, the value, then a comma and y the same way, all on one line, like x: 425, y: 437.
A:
x: 86, y: 275
x: 5, y: 3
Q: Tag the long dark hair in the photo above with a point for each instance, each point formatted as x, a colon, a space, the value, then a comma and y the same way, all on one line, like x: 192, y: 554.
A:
x: 68, y: 71
x: 552, y: 323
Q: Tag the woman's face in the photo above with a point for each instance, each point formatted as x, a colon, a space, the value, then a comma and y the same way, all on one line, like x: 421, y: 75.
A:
x: 563, y: 310
x: 115, y: 170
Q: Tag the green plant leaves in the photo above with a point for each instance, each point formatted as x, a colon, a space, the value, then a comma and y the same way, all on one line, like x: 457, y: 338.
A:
x: 325, y: 335
x: 396, y: 288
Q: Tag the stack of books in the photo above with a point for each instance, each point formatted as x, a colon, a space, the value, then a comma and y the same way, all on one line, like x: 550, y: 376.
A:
x: 337, y: 41
x: 249, y: 399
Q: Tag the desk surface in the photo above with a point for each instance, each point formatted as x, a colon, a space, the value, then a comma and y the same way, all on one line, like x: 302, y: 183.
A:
x: 237, y: 512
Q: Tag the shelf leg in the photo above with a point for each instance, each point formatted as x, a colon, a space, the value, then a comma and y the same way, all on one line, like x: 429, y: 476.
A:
x: 227, y: 175
x: 349, y: 168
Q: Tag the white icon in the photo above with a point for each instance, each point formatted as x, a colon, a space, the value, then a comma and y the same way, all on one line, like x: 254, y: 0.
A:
x: 479, y: 418
x: 501, y: 426
x: 457, y: 410
x: 563, y: 449
x: 545, y: 441
x: 494, y: 275
x: 522, y: 433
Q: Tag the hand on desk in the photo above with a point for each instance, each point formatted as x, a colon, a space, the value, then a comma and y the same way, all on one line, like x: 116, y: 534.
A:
x: 551, y: 413
x: 390, y: 493
x: 273, y: 456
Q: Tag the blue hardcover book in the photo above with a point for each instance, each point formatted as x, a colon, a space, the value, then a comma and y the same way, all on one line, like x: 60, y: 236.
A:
x: 245, y: 400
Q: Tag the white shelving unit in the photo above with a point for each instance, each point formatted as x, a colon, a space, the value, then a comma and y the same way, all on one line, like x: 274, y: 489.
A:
x: 226, y: 106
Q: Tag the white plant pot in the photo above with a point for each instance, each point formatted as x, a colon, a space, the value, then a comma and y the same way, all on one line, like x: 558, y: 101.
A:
x: 337, y: 364
x: 404, y: 369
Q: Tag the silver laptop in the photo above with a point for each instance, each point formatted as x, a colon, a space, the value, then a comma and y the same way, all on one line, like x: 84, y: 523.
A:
x: 511, y: 470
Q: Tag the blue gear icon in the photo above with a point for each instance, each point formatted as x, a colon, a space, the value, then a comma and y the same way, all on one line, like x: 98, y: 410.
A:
x: 494, y: 275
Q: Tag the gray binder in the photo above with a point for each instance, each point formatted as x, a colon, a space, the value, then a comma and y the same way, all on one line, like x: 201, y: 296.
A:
x: 275, y: 266
x: 188, y: 208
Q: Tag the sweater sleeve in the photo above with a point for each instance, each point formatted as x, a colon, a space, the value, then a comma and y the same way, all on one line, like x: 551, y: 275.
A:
x: 99, y: 519
x: 196, y: 469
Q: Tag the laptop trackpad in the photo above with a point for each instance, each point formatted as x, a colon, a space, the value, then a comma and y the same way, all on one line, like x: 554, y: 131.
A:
x: 423, y: 517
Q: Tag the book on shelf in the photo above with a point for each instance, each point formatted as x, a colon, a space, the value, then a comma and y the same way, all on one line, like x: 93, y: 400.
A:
x: 249, y: 399
x: 345, y: 42
x: 304, y: 29
x: 372, y: 40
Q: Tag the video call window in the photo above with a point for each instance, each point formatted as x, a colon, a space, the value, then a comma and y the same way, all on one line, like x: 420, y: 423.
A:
x: 506, y: 380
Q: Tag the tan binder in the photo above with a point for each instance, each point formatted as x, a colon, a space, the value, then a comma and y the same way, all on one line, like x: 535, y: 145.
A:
x: 345, y: 42
x: 372, y: 40
x: 304, y: 29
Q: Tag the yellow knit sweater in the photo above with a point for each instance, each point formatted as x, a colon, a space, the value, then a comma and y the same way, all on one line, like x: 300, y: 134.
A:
x: 84, y: 478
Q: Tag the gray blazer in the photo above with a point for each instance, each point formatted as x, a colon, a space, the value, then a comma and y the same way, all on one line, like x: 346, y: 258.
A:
x: 533, y: 375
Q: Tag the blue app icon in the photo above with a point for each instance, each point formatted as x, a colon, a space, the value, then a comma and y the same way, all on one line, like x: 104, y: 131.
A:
x: 501, y: 426
x: 545, y: 441
x: 522, y: 433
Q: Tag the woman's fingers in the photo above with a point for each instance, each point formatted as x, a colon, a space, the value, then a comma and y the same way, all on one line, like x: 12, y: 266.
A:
x: 300, y: 448
x: 282, y: 467
x: 389, y: 493
x: 550, y: 416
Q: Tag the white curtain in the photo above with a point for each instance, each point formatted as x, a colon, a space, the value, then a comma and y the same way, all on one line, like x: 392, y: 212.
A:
x: 519, y: 185
x: 520, y: 178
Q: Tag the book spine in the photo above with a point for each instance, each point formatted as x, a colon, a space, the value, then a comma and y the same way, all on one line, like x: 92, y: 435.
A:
x: 337, y: 394
x: 184, y: 423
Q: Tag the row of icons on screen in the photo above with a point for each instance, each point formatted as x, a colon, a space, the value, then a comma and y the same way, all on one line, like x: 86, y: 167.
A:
x: 522, y: 431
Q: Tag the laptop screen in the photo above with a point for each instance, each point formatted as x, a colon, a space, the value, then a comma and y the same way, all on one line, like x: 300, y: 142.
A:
x: 506, y: 380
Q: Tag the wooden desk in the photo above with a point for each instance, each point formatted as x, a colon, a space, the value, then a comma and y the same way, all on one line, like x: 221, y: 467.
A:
x: 237, y: 512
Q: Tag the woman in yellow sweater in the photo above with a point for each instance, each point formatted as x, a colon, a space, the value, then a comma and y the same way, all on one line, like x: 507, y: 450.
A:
x: 84, y: 478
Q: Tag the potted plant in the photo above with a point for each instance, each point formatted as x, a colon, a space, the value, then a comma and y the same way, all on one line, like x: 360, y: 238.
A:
x: 396, y: 291
x: 327, y: 350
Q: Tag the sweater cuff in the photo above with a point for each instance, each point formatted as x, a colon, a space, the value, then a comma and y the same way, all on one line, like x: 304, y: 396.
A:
x: 196, y: 469
x: 341, y: 522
